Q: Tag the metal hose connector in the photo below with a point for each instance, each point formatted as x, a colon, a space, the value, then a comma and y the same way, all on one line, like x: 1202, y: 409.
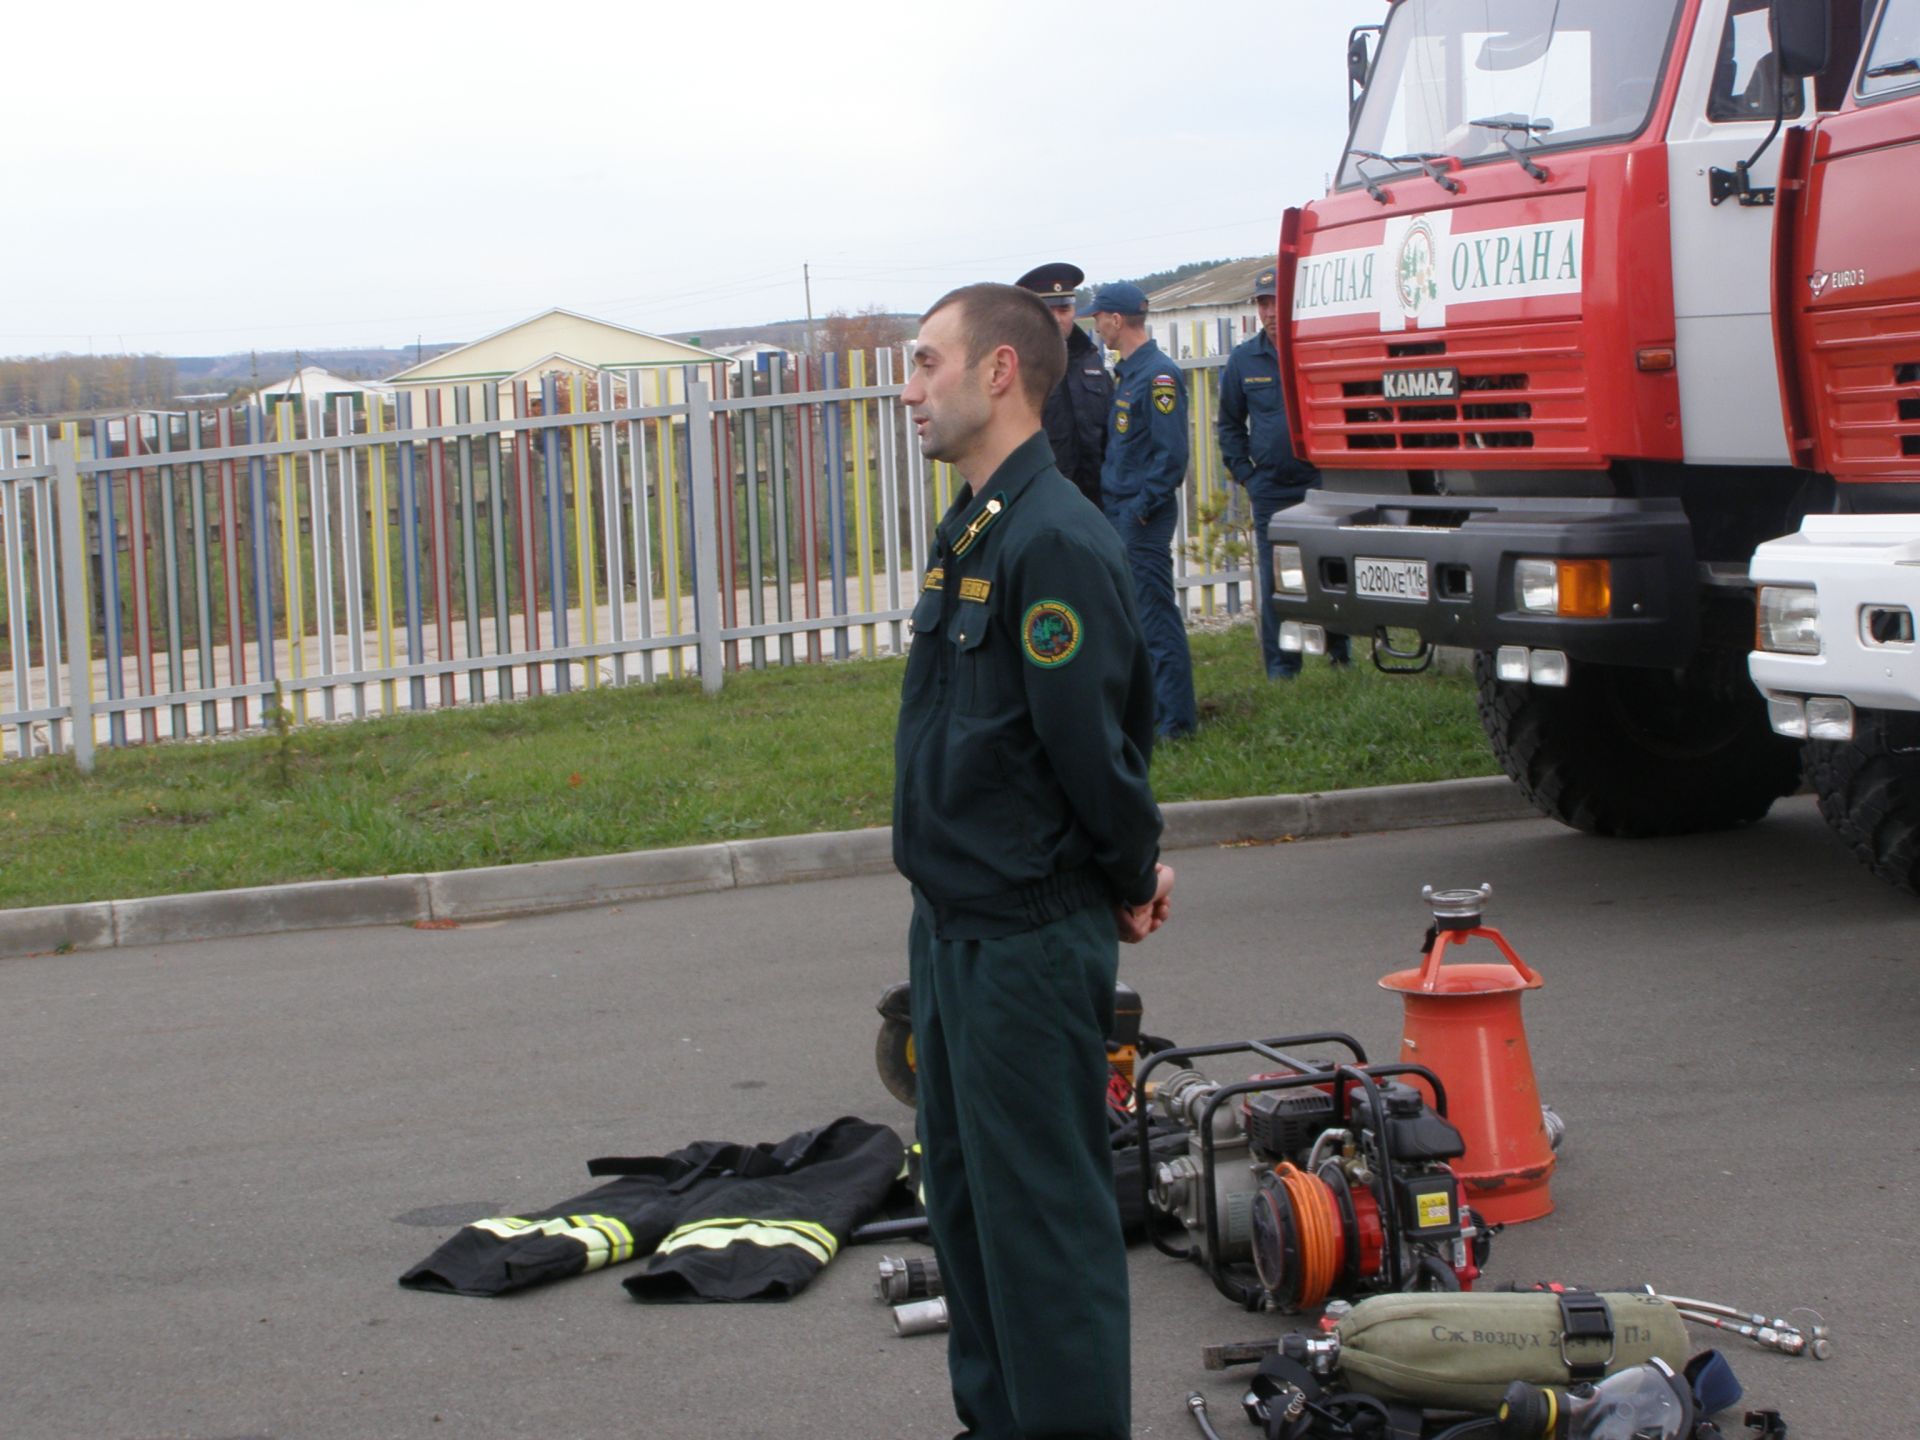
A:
x: 907, y: 1279
x: 923, y: 1317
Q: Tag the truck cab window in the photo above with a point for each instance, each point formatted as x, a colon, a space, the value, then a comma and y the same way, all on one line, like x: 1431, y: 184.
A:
x: 1893, y: 58
x: 1478, y: 79
x: 1746, y: 81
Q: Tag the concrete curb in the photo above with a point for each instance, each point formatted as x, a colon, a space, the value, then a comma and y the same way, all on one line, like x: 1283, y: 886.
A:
x: 505, y: 890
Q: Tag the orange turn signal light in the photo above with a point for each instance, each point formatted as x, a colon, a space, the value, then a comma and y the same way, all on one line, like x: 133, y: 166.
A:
x: 1586, y: 589
x: 1654, y: 358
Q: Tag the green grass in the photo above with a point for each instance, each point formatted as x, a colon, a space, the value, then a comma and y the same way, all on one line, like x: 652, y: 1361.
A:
x: 779, y: 752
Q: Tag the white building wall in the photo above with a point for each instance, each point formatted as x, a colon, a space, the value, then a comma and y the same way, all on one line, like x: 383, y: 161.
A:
x: 1198, y: 330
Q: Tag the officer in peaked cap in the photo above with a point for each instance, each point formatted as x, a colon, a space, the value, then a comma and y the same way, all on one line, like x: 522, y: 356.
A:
x: 1140, y: 480
x: 1075, y: 417
x: 1251, y: 424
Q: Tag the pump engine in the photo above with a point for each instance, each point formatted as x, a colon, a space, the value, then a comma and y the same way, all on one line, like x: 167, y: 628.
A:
x: 1314, y: 1179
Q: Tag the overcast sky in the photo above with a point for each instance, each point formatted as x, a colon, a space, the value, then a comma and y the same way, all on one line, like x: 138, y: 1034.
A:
x: 217, y: 177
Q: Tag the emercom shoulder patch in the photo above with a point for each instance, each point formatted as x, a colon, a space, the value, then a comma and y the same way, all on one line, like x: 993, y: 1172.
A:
x: 1050, y: 633
x: 1165, y: 391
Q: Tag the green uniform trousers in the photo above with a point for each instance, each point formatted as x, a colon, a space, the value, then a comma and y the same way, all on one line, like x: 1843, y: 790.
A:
x: 1011, y: 1068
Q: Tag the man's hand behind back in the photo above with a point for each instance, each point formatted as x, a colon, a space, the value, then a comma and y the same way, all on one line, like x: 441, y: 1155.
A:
x: 1136, y: 922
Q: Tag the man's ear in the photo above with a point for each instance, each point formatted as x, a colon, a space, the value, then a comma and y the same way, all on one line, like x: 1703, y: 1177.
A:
x: 1003, y: 372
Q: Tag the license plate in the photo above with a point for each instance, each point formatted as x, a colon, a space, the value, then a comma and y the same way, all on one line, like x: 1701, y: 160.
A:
x: 1390, y: 579
x: 1421, y: 385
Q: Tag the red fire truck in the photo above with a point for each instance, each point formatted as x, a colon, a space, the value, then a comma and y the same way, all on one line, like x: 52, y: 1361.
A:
x: 1606, y: 293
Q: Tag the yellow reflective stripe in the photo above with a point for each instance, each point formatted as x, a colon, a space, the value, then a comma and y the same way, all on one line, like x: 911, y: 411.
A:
x: 505, y: 1226
x: 606, y: 1240
x: 815, y: 1240
x: 619, y: 1239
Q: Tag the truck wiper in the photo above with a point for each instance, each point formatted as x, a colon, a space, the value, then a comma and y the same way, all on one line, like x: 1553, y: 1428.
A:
x: 1510, y: 125
x: 1512, y: 120
x: 1373, y: 186
x: 1430, y: 162
x: 1894, y: 67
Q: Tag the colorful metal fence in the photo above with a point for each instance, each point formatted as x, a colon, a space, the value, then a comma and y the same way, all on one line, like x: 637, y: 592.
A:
x: 479, y: 542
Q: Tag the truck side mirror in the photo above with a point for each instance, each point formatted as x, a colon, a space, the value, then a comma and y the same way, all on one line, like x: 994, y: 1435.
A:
x: 1802, y: 35
x: 1359, y: 55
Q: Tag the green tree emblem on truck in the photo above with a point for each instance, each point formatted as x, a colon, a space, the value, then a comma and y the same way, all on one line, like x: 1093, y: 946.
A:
x: 1417, y: 273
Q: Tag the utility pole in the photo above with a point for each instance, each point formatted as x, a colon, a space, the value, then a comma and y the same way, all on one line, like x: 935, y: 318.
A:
x: 806, y: 279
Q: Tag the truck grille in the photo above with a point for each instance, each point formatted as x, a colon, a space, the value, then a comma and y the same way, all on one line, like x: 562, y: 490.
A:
x: 1427, y: 426
x: 1522, y: 388
x: 1866, y: 371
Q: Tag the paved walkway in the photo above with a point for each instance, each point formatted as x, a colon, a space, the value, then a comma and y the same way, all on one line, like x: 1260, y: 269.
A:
x: 221, y: 1156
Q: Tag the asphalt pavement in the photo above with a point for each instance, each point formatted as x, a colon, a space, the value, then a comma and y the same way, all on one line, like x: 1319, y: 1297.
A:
x: 221, y: 1155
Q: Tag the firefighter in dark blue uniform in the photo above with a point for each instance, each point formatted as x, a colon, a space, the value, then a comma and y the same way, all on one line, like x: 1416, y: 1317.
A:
x: 1075, y: 418
x: 1140, y: 482
x: 1023, y: 818
x: 1251, y: 422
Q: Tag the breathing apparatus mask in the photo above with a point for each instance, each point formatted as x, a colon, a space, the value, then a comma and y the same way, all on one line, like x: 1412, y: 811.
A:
x: 1643, y: 1402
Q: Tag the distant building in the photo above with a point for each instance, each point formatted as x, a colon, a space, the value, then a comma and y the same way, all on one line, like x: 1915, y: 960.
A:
x: 1208, y: 313
x: 757, y: 353
x: 557, y: 342
x: 314, y: 382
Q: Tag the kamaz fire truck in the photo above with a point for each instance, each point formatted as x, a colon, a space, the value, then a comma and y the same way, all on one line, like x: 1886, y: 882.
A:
x: 1606, y: 294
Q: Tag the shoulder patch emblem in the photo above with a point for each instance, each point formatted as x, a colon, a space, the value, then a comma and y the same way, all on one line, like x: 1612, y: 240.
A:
x: 1165, y: 393
x: 1050, y: 633
x: 1120, y: 419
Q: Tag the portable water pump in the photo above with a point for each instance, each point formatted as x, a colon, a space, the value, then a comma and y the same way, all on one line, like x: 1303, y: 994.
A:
x: 1312, y: 1180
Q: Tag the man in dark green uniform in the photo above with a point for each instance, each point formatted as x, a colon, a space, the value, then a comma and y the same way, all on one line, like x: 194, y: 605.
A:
x: 1023, y: 818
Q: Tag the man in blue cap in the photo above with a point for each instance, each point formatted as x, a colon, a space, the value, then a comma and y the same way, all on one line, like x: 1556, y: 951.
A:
x: 1140, y: 484
x: 1075, y: 417
x: 1251, y: 423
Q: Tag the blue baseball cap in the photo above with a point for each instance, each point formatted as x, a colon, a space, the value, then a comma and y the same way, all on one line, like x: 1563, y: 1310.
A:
x: 1263, y: 283
x: 1118, y: 297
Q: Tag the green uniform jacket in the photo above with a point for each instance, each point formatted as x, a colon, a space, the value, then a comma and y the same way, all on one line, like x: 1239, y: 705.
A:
x: 1026, y: 717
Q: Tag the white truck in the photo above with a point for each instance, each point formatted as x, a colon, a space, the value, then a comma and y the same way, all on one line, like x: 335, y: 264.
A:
x: 1835, y: 657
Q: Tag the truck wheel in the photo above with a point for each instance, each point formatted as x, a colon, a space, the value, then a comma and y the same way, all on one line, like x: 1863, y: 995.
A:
x: 1634, y: 752
x: 1869, y: 789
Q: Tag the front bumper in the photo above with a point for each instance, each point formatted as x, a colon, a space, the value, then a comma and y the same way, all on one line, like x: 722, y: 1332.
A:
x: 1469, y: 546
x: 1866, y: 570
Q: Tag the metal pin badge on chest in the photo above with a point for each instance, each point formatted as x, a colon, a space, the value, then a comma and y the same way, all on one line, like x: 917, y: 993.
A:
x: 979, y: 523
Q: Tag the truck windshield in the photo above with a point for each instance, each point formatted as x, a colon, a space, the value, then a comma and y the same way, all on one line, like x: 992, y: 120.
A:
x: 1547, y: 76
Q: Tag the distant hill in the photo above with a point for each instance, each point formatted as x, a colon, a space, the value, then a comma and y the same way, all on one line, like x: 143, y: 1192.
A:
x: 265, y: 366
x: 792, y: 334
x: 48, y: 385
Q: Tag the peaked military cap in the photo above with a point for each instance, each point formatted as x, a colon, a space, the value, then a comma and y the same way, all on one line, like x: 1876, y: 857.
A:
x: 1054, y: 282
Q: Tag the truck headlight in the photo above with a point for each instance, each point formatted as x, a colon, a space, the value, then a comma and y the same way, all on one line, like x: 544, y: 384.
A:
x: 1787, y: 620
x: 1289, y: 573
x: 1581, y: 589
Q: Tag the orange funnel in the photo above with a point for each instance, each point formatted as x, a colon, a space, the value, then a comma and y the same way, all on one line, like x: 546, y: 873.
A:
x: 1463, y: 1023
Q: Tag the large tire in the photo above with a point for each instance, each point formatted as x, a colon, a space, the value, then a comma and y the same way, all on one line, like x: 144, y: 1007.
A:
x: 1634, y: 752
x: 1869, y: 789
